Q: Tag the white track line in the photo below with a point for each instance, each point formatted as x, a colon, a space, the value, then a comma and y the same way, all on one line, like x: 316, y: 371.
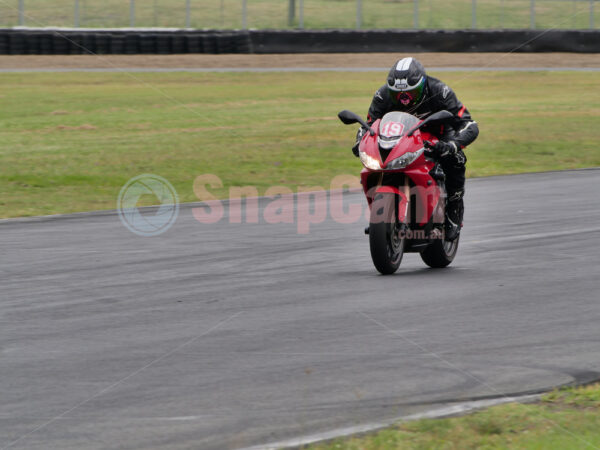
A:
x: 437, y: 413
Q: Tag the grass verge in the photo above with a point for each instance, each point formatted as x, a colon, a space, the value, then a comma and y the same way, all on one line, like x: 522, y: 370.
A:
x: 563, y: 419
x: 70, y: 141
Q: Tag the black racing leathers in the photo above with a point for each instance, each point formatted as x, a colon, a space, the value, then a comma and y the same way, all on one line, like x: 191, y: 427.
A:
x: 462, y: 131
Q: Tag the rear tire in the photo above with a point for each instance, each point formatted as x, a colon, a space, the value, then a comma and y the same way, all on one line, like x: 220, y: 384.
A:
x: 387, y: 248
x: 440, y: 253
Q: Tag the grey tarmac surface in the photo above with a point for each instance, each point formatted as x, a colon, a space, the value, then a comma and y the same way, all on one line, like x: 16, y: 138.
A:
x: 231, y: 335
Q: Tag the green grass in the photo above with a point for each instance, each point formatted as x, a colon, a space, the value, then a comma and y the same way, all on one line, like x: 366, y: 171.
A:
x: 317, y: 13
x: 564, y: 419
x: 70, y: 141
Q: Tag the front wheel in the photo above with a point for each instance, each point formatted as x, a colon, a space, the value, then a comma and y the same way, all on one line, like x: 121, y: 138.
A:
x: 385, y: 237
x: 440, y: 253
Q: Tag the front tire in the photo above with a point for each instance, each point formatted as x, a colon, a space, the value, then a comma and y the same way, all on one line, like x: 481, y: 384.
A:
x: 440, y: 253
x: 387, y: 246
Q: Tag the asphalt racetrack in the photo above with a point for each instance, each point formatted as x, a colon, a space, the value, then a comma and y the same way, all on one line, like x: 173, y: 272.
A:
x: 223, y: 336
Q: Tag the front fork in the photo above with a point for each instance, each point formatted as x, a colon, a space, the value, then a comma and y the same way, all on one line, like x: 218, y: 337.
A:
x: 401, y: 192
x: 404, y: 203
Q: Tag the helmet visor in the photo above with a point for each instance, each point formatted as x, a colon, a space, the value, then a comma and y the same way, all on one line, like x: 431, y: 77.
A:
x: 407, y: 96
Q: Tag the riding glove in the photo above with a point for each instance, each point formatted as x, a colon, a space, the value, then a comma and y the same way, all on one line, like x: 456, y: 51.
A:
x: 440, y: 149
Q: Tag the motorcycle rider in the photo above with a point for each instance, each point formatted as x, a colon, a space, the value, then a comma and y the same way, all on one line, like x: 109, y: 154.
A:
x: 410, y: 89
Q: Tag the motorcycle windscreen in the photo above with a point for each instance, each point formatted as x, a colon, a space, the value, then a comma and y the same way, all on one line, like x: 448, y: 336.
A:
x: 393, y: 126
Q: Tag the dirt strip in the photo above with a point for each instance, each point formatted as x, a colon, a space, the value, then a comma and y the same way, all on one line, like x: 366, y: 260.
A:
x: 330, y: 60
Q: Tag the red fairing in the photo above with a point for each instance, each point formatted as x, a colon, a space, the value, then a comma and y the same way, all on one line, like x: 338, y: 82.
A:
x: 369, y: 144
x: 424, y: 189
x: 408, y: 144
x: 364, y: 177
x: 388, y: 190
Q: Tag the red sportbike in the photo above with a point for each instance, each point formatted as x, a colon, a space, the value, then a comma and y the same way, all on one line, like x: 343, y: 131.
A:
x: 405, y: 190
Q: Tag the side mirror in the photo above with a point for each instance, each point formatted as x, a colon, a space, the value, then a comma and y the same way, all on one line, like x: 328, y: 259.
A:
x: 348, y: 118
x: 440, y: 116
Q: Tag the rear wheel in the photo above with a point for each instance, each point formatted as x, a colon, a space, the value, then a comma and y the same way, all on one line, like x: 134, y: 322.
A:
x: 440, y: 253
x: 385, y: 237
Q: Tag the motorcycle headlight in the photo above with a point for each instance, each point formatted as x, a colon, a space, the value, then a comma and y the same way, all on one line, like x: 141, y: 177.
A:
x: 402, y: 161
x: 369, y: 162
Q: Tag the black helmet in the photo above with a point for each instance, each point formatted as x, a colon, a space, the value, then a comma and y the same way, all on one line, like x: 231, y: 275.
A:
x: 406, y: 82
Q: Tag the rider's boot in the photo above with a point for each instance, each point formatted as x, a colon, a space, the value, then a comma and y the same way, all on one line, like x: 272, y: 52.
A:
x: 454, y: 215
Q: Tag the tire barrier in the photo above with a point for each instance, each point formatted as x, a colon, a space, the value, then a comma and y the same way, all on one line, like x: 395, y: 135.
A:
x: 129, y: 42
x: 344, y: 41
